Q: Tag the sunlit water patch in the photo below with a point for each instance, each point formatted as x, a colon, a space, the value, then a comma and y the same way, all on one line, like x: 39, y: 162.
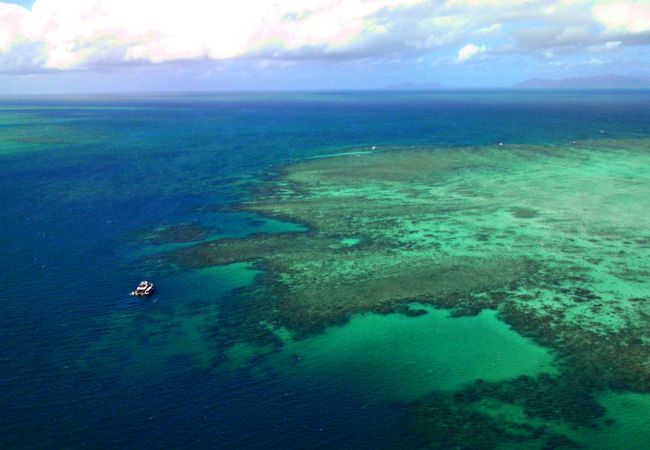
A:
x: 396, y: 357
x: 628, y: 419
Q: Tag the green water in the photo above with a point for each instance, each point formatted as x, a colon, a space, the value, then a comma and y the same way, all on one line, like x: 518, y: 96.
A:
x: 395, y: 357
x: 627, y: 426
x: 544, y: 241
x: 392, y: 357
x: 289, y: 287
x: 156, y: 331
x: 631, y: 427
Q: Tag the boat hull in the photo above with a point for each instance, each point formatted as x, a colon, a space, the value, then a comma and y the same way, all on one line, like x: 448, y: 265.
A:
x: 142, y: 293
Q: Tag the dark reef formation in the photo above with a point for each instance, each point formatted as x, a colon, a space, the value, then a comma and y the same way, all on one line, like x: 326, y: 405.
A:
x: 186, y: 232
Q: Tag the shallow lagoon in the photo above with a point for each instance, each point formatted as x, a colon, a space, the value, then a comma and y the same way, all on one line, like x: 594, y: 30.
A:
x: 401, y: 358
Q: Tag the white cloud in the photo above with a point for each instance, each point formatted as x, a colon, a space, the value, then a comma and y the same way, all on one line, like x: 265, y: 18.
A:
x: 607, y: 46
x: 84, y: 33
x: 491, y: 29
x: 469, y: 51
x: 90, y: 34
x: 578, y: 63
x: 12, y: 21
x: 626, y: 17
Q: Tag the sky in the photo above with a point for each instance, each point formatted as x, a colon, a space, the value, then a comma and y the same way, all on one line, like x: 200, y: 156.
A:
x: 94, y: 46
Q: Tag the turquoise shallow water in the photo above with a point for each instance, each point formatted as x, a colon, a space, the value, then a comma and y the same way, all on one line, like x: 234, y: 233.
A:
x: 395, y: 357
x: 86, y: 181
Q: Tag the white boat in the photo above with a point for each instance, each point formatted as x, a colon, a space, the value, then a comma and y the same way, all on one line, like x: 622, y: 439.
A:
x: 144, y: 288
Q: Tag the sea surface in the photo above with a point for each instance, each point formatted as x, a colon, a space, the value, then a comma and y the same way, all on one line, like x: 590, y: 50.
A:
x: 93, y: 188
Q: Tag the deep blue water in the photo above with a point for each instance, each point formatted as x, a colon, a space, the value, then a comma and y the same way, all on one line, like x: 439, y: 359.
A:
x: 82, y: 179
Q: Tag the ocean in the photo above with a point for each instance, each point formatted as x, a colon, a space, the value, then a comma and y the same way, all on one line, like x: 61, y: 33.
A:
x: 96, y: 193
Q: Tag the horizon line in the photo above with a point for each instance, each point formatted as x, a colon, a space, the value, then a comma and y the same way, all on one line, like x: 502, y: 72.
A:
x: 323, y: 90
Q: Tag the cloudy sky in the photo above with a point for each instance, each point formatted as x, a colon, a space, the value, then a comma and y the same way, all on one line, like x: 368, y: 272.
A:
x: 62, y: 46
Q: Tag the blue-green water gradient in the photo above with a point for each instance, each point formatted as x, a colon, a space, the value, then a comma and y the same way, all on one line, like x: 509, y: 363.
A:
x: 85, y: 180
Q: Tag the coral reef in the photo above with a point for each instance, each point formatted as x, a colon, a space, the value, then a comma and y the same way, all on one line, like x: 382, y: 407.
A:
x: 555, y: 238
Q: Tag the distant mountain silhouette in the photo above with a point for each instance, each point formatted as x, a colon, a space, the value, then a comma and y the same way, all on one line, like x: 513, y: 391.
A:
x: 596, y: 82
x: 413, y: 86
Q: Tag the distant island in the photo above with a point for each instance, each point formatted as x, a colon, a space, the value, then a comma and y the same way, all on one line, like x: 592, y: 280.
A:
x: 595, y: 82
x: 408, y: 86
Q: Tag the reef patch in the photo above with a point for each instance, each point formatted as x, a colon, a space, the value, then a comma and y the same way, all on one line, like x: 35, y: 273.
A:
x: 553, y: 238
